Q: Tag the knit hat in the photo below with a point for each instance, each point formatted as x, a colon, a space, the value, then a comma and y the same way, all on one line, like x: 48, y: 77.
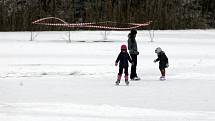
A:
x: 158, y: 50
x: 123, y: 47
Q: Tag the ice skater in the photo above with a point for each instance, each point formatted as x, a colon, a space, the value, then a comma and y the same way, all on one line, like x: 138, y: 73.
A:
x: 123, y: 59
x: 163, y: 62
x: 133, y: 51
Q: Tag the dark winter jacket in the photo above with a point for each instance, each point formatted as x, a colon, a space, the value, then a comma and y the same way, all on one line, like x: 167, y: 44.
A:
x: 132, y: 44
x: 123, y: 59
x: 163, y: 60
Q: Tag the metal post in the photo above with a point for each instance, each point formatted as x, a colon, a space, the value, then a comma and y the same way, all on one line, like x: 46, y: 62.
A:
x: 151, y: 34
x: 31, y: 36
x: 69, y: 37
x: 105, y: 36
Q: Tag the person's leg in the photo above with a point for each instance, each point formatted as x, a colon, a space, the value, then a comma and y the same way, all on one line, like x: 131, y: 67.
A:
x: 126, y: 75
x: 119, y: 75
x: 162, y: 70
x: 133, y: 67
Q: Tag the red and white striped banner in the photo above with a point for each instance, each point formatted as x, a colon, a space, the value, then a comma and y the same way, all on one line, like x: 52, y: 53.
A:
x: 87, y: 25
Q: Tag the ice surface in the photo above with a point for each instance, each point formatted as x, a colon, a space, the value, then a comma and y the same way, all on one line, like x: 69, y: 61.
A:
x: 49, y: 79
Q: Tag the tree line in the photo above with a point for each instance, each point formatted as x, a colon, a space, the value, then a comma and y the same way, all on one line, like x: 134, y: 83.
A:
x: 17, y: 15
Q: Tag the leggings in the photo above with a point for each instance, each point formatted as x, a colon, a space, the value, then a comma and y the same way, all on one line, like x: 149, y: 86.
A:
x: 121, y: 70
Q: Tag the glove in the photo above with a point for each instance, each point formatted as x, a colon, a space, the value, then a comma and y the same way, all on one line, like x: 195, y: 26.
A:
x: 136, y: 52
x: 116, y: 63
x: 155, y: 61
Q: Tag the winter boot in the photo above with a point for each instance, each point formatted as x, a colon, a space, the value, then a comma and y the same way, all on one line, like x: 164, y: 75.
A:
x: 126, y: 80
x: 118, y: 79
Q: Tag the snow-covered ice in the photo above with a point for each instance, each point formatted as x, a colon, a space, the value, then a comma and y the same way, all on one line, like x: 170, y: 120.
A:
x: 50, y: 79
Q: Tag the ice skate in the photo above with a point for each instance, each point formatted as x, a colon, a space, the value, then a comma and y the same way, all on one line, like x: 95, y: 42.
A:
x: 136, y: 78
x: 126, y: 80
x: 117, y: 82
x: 118, y: 79
x: 162, y: 78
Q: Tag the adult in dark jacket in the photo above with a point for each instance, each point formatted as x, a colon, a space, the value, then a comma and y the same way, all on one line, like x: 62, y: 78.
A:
x: 123, y: 59
x: 163, y: 62
x: 133, y: 51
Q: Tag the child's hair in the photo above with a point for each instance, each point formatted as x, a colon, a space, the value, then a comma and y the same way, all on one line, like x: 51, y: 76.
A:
x: 133, y: 31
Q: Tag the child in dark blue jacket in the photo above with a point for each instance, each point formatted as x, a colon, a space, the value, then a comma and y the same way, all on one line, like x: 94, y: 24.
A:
x: 123, y: 59
x: 163, y: 62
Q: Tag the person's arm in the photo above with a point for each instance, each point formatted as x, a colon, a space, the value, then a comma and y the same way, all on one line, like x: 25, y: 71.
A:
x: 130, y: 46
x: 166, y: 60
x: 117, y: 60
x: 129, y: 58
x: 156, y: 60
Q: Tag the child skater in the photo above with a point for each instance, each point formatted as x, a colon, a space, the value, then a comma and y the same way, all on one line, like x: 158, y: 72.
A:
x: 163, y: 62
x: 123, y: 59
